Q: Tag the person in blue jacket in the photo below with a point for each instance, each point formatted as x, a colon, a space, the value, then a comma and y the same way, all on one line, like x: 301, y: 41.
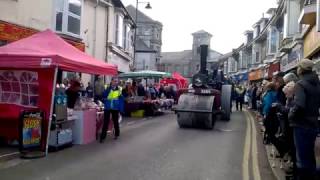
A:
x: 113, y: 105
x: 269, y: 98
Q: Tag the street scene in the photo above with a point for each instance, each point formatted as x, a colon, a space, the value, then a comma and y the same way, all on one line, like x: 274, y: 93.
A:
x: 148, y: 90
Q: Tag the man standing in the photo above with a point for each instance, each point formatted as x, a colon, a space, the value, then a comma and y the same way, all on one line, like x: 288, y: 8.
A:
x: 113, y: 105
x: 240, y: 91
x: 98, y: 89
x: 303, y: 118
x: 254, y: 96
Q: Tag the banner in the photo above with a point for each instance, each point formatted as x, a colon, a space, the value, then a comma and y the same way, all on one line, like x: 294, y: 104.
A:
x: 12, y: 32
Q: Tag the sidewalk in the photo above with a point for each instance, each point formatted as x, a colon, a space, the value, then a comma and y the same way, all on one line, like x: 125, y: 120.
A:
x: 10, y: 157
x: 274, y: 162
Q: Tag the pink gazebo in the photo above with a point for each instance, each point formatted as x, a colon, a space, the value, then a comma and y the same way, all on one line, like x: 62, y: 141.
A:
x: 28, y: 71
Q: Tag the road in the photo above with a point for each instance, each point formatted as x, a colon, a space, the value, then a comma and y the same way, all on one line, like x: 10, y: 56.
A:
x: 156, y: 149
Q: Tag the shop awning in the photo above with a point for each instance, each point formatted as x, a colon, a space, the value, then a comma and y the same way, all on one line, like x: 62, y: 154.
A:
x: 145, y: 74
x: 46, y: 49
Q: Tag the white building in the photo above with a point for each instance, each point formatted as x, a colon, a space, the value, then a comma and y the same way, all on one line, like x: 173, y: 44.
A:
x: 101, y: 28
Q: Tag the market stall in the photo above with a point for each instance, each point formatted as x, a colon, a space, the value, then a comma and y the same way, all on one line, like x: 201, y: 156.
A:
x: 28, y: 76
x: 141, y: 104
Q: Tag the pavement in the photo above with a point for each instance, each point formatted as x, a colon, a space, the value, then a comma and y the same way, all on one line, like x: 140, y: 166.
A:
x: 156, y: 148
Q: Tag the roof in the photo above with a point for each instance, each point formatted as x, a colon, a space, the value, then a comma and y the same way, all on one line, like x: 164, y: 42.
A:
x: 46, y: 49
x: 201, y: 32
x: 142, y: 18
x: 171, y: 57
x: 142, y: 47
x: 119, y: 4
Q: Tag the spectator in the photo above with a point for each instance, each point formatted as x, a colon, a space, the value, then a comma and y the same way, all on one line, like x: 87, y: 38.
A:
x: 279, y: 83
x: 161, y: 91
x: 73, y: 93
x: 98, y: 89
x: 89, y: 90
x: 240, y: 91
x: 303, y: 117
x: 254, y: 96
x: 152, y: 92
x: 141, y: 91
x: 269, y: 116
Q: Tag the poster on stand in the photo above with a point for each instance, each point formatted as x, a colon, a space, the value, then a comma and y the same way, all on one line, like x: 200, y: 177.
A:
x: 31, y: 128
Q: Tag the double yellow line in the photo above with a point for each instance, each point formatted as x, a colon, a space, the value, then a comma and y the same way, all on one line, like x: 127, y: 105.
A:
x: 250, y: 148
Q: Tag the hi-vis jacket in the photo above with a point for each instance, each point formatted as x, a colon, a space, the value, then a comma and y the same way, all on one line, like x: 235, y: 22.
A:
x: 113, y: 99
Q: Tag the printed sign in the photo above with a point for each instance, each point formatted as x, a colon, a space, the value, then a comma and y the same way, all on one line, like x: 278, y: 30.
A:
x: 31, y: 129
x: 46, y: 62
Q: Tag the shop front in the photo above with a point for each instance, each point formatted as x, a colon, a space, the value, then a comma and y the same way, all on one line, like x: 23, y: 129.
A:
x: 272, y: 68
x: 290, y: 60
x: 312, y: 47
x: 256, y: 75
x: 28, y: 82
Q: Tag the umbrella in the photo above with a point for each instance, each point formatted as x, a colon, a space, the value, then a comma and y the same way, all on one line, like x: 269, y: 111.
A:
x: 145, y: 74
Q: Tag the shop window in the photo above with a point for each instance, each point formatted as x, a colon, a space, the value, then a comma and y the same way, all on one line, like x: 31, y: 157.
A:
x: 68, y: 17
x: 19, y: 87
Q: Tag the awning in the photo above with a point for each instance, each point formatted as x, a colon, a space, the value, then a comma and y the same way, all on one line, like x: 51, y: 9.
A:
x: 256, y: 75
x: 145, y: 74
x: 46, y: 49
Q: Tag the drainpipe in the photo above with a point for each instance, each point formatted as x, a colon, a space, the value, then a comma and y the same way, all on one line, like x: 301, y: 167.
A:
x: 95, y: 28
x: 107, y: 33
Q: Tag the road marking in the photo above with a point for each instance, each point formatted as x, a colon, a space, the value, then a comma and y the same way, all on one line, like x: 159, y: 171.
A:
x: 254, y: 149
x: 246, y: 151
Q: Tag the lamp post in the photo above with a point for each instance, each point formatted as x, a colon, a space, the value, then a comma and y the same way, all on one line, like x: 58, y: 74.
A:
x: 148, y: 6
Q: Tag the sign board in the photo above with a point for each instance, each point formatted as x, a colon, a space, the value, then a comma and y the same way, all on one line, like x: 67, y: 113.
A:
x: 31, y: 130
x: 311, y: 42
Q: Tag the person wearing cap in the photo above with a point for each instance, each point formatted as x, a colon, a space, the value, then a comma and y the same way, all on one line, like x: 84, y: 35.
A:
x: 113, y: 105
x: 303, y: 117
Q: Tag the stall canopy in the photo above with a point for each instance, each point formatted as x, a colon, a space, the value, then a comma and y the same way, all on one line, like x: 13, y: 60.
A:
x: 145, y: 74
x: 176, y: 79
x: 46, y: 49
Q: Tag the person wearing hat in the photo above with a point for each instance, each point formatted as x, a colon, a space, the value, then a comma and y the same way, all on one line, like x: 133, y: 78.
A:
x: 113, y: 105
x: 303, y: 117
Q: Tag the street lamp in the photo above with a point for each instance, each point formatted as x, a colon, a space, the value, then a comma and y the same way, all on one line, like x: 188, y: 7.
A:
x: 148, y: 6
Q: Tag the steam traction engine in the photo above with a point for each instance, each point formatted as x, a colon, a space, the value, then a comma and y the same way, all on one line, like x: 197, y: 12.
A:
x: 209, y: 97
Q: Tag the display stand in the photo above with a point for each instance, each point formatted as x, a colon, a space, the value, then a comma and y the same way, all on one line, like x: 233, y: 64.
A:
x: 61, y: 125
x: 61, y: 134
x: 84, y: 129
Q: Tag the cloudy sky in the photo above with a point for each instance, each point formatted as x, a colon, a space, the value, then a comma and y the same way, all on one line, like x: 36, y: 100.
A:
x: 226, y: 20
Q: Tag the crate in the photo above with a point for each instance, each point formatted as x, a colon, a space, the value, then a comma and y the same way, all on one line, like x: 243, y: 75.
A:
x: 137, y: 114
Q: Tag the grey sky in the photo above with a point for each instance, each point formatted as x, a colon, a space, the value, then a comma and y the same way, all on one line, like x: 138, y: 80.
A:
x: 226, y: 20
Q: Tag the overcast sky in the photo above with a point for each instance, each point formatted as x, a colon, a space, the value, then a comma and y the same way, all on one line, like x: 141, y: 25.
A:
x: 226, y: 20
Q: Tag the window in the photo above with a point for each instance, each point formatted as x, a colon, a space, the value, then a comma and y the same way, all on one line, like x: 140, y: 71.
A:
x: 126, y: 37
x: 68, y: 17
x: 257, y: 57
x: 119, y: 30
x: 19, y: 87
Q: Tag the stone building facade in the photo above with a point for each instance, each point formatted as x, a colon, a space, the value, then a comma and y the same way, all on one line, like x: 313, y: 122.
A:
x: 148, y: 40
x: 187, y: 62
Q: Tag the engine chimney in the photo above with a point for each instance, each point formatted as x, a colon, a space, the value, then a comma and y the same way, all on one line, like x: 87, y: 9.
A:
x: 203, y: 59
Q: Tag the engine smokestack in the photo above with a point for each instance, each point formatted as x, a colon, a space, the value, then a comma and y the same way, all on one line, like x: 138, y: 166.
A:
x: 203, y: 59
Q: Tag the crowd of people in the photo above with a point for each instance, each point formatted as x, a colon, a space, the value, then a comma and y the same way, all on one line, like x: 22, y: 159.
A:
x: 289, y: 106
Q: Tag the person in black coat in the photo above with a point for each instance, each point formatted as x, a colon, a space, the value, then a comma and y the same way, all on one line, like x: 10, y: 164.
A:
x: 254, y: 97
x: 303, y: 117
